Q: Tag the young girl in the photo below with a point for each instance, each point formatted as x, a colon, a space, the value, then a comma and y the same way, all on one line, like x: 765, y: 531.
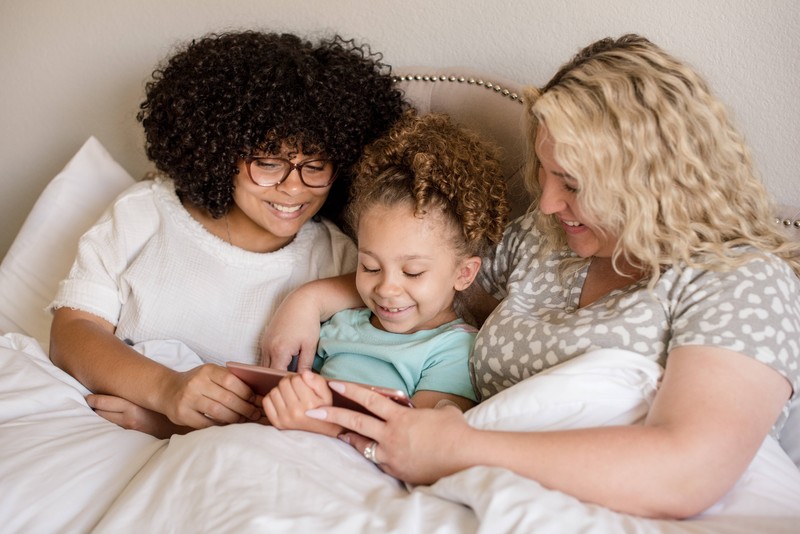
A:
x: 255, y: 135
x: 428, y: 201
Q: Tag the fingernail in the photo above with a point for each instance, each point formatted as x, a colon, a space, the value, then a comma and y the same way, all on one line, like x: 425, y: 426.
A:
x: 344, y: 437
x: 317, y: 413
x: 338, y: 387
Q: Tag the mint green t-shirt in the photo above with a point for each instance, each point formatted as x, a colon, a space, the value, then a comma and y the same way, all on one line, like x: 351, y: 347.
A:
x: 350, y: 348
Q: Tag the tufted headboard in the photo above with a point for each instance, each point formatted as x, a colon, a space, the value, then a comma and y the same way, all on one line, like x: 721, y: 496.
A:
x: 493, y: 107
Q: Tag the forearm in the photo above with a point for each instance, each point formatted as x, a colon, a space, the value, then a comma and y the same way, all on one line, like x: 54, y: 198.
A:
x: 635, y: 469
x: 104, y: 364
x: 331, y: 295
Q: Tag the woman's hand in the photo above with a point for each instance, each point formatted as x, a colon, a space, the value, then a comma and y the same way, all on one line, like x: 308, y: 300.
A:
x: 286, y: 405
x: 418, y: 446
x: 207, y: 395
x: 126, y: 414
x: 293, y: 331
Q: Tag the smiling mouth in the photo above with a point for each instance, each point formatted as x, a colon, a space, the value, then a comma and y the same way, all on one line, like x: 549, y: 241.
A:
x: 393, y: 310
x: 286, y: 209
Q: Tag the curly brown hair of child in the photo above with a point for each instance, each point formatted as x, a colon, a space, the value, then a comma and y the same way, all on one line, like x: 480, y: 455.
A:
x: 441, y: 165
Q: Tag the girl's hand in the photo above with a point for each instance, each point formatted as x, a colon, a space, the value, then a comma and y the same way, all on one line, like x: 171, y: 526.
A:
x: 207, y: 395
x: 286, y: 405
x: 409, y: 440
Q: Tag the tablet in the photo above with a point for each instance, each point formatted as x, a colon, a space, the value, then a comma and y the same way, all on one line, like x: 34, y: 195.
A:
x: 262, y: 379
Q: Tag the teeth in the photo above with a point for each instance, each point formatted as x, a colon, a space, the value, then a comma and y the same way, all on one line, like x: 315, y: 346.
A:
x: 285, y: 209
x: 572, y: 223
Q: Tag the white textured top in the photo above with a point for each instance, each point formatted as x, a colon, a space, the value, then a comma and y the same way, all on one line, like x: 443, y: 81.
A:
x: 154, y: 272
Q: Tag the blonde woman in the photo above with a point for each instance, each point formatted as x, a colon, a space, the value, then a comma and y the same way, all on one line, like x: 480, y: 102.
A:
x: 649, y: 232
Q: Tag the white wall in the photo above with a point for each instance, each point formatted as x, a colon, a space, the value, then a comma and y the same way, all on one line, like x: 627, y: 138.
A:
x: 74, y: 68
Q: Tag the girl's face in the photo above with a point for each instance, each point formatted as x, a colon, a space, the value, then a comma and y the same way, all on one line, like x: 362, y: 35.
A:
x: 408, y: 269
x: 559, y: 198
x: 268, y: 218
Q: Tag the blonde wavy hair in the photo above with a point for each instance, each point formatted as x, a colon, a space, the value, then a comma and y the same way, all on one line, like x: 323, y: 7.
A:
x: 438, y: 168
x: 659, y: 163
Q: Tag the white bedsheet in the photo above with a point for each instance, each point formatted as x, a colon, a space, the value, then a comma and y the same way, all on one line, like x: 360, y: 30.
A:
x: 64, y: 469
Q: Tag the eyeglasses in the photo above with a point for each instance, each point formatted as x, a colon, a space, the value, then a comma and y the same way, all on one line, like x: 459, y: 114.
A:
x: 271, y: 171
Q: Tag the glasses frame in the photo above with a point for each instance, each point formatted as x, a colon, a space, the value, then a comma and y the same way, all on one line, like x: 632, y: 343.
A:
x: 248, y: 160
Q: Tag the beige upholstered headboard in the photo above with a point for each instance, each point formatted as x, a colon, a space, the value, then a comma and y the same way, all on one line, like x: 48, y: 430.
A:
x: 492, y: 107
x: 487, y: 105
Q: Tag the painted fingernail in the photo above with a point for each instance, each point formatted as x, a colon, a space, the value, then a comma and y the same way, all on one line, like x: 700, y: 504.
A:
x: 317, y: 413
x: 344, y: 437
x: 338, y: 387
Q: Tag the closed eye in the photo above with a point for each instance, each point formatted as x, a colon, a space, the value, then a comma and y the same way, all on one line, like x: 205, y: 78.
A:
x: 567, y: 181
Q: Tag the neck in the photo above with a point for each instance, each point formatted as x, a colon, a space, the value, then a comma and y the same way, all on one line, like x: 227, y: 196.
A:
x: 238, y: 230
x: 602, y: 279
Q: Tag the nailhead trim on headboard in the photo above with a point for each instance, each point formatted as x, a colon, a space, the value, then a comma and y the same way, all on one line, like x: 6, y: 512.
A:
x: 789, y: 222
x: 460, y: 79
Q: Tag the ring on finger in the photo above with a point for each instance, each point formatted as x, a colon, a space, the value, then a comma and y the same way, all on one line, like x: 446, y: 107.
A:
x: 369, y: 452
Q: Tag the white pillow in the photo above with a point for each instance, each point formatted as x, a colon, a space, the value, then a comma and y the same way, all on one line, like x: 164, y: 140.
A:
x: 600, y: 388
x: 43, y: 251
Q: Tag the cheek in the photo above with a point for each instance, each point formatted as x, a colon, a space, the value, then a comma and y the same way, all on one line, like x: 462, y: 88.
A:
x: 363, y: 285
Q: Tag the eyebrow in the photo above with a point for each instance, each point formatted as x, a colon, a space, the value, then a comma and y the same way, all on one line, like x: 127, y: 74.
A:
x: 565, y: 176
x: 407, y: 257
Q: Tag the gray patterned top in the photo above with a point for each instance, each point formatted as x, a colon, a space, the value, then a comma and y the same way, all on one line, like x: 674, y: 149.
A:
x: 753, y: 310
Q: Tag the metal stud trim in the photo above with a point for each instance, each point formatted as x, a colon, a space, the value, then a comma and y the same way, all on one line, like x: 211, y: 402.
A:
x: 460, y: 79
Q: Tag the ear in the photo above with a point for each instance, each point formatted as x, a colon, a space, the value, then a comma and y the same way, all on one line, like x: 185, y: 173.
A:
x: 467, y: 271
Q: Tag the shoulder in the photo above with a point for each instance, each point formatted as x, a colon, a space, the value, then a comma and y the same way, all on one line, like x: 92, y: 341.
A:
x: 144, y: 196
x: 753, y: 308
x: 454, y: 334
x: 523, y: 228
x: 460, y: 327
x: 758, y: 273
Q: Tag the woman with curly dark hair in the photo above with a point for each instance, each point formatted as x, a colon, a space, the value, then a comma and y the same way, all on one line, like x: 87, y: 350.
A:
x: 254, y: 136
x: 429, y: 200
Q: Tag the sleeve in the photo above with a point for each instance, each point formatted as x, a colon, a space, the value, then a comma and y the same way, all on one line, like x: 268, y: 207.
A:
x: 520, y: 242
x: 753, y: 310
x: 447, y: 368
x: 104, y: 253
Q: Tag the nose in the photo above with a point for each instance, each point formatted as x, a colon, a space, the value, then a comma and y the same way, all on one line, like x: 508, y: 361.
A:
x: 552, y: 198
x: 387, y: 286
x: 292, y: 184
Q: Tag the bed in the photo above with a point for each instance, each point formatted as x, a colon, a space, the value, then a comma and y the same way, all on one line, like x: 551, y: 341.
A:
x: 65, y: 469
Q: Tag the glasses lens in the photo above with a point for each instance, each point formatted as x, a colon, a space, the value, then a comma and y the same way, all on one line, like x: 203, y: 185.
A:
x: 272, y: 171
x: 316, y: 172
x: 268, y: 171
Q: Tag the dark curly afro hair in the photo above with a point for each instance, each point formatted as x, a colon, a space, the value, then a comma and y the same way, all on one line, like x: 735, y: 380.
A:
x: 225, y: 96
x: 437, y: 166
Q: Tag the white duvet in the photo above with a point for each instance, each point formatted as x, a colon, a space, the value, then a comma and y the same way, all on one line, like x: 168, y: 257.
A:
x: 64, y: 469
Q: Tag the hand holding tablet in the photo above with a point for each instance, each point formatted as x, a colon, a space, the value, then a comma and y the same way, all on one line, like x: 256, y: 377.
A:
x: 262, y: 379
